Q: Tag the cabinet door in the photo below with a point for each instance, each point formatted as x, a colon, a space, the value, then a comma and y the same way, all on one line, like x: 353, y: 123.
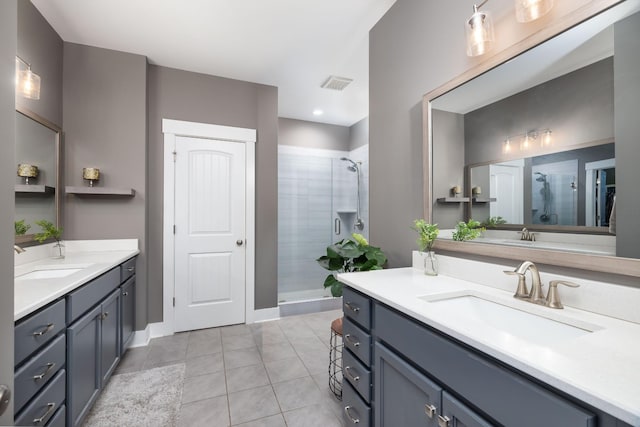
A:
x: 403, y: 395
x: 83, y: 365
x: 457, y: 414
x: 110, y: 335
x: 128, y: 304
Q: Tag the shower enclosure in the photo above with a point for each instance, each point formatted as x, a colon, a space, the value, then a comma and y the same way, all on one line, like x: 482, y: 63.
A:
x: 322, y: 198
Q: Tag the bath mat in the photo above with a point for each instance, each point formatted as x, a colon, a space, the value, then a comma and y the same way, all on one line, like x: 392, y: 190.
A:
x: 144, y: 398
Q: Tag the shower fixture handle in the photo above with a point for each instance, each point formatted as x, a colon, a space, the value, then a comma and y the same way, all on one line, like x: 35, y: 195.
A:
x: 239, y: 242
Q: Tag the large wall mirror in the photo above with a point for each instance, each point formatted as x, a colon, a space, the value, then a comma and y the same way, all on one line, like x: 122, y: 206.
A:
x: 535, y: 143
x: 37, y: 185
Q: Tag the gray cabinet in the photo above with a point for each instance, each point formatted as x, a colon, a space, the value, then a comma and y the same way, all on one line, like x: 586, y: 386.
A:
x: 109, y: 335
x: 128, y: 307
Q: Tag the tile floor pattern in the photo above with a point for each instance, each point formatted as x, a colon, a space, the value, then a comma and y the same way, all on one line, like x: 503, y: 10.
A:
x: 271, y: 374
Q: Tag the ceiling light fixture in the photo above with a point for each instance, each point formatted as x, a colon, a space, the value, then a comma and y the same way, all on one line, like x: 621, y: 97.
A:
x: 27, y: 82
x: 530, y: 10
x: 479, y: 29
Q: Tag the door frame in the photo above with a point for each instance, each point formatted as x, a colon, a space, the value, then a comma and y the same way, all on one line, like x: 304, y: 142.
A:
x: 175, y: 128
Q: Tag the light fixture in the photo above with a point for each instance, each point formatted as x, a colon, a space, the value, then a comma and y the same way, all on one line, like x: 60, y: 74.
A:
x: 527, y: 140
x: 530, y: 10
x: 506, y: 146
x: 547, y: 141
x: 479, y: 29
x: 27, y: 82
x: 318, y: 112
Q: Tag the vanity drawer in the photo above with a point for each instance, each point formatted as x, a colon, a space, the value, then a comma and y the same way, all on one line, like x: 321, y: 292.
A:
x: 356, y: 411
x: 42, y: 408
x: 38, y: 329
x: 82, y: 299
x: 59, y: 419
x: 504, y: 395
x: 358, y: 375
x: 357, y: 340
x: 36, y: 372
x: 127, y: 269
x: 357, y: 307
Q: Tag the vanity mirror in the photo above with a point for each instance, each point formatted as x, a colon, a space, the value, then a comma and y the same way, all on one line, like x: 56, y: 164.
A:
x: 537, y: 139
x: 37, y: 146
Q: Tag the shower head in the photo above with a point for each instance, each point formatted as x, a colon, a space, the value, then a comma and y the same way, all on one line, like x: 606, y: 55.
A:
x: 541, y: 178
x: 353, y: 167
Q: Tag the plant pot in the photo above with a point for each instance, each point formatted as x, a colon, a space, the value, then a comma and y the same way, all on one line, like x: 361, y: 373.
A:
x: 430, y: 263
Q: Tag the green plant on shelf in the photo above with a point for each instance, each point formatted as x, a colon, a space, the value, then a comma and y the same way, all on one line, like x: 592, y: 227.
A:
x: 493, y: 221
x: 466, y: 231
x: 21, y: 227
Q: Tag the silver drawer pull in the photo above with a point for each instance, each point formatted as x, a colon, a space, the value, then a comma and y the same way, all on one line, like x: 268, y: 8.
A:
x: 124, y: 294
x: 351, y: 341
x: 104, y: 315
x: 443, y: 421
x: 131, y: 269
x: 50, y: 408
x: 351, y: 306
x: 347, y: 411
x: 49, y: 327
x: 349, y: 375
x: 430, y: 410
x: 50, y: 366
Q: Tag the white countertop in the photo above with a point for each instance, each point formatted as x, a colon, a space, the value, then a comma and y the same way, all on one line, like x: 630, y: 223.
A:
x: 32, y: 294
x: 601, y: 368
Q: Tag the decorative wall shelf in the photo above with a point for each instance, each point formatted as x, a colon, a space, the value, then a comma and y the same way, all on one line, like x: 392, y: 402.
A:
x: 101, y: 191
x: 483, y: 199
x: 453, y: 200
x: 40, y: 189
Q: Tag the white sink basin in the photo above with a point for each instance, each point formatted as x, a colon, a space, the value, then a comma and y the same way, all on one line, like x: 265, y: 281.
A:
x: 534, y: 327
x: 49, y: 273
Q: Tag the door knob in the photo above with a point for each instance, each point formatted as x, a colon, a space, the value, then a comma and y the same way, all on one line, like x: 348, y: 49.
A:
x: 239, y: 242
x: 5, y: 398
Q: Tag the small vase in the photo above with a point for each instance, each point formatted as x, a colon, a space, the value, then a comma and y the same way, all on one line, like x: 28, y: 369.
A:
x: 430, y: 264
x: 58, y: 250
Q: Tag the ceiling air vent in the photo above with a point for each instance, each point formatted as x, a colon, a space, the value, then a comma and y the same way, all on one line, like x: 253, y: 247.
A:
x: 336, y: 83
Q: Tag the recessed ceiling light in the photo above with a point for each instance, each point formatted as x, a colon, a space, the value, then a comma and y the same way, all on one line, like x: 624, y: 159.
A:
x: 318, y: 112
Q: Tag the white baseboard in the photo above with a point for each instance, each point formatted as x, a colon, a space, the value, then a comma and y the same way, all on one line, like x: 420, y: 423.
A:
x: 265, y: 314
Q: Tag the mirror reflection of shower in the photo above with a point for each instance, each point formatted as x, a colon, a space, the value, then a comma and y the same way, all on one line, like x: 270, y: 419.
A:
x: 353, y: 167
x: 545, y: 191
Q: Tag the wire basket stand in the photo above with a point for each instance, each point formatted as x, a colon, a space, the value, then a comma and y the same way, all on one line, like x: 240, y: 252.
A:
x: 335, y: 358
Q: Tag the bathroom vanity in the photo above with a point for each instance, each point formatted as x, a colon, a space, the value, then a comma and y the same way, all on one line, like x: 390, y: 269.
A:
x: 441, y: 351
x: 74, y: 321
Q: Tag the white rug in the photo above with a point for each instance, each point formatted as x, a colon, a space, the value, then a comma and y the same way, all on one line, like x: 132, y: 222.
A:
x: 144, y: 398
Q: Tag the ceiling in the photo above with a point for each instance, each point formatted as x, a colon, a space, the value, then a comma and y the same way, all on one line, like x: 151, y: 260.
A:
x: 292, y: 44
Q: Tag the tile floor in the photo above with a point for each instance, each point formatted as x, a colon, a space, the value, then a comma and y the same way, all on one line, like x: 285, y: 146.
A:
x: 270, y: 374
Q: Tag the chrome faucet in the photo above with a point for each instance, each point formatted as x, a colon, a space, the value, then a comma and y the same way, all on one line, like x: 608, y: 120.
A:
x: 18, y: 249
x: 553, y: 299
x: 527, y: 235
x: 535, y: 295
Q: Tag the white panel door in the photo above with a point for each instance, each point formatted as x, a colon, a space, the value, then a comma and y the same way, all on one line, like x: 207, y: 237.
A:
x: 507, y: 186
x: 209, y: 234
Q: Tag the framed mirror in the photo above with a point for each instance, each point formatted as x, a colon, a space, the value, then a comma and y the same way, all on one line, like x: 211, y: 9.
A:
x: 37, y: 184
x: 533, y: 142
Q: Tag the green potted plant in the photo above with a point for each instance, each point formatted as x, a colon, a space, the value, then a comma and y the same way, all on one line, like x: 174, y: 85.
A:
x: 50, y: 231
x: 467, y: 230
x: 21, y: 227
x: 493, y: 221
x: 427, y: 234
x: 350, y: 255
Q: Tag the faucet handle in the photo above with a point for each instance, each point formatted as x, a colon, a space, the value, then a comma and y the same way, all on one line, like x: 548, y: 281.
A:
x: 553, y: 298
x: 521, y: 292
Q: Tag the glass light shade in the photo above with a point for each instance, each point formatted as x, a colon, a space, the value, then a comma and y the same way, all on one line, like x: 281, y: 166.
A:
x: 530, y: 10
x: 479, y: 29
x: 28, y: 84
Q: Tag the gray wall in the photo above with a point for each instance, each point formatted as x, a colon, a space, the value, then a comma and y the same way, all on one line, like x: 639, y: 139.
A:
x: 8, y: 35
x: 182, y: 95
x: 415, y: 47
x: 104, y: 105
x: 301, y: 133
x: 359, y: 134
x: 627, y: 125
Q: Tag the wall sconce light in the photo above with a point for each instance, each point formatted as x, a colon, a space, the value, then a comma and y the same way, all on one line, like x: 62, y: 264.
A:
x: 547, y: 141
x: 91, y: 175
x: 527, y: 140
x: 27, y: 82
x: 456, y: 190
x: 530, y: 10
x: 27, y: 171
x: 506, y: 146
x: 479, y: 30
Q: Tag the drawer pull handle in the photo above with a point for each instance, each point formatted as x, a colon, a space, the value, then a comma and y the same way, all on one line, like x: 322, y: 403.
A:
x: 50, y: 408
x: 124, y: 294
x: 351, y: 306
x: 50, y: 366
x: 49, y: 327
x: 104, y: 315
x: 443, y: 421
x: 349, y: 375
x: 430, y: 410
x: 131, y: 269
x: 351, y: 341
x: 347, y: 411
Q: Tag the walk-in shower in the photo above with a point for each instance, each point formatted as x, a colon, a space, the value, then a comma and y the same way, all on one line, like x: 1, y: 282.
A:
x: 358, y: 225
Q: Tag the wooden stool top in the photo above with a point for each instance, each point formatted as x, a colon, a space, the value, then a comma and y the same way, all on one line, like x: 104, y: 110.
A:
x: 336, y: 326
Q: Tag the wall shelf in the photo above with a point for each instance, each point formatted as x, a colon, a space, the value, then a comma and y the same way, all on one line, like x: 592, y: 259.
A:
x: 100, y: 191
x: 483, y: 199
x: 453, y: 200
x: 39, y: 189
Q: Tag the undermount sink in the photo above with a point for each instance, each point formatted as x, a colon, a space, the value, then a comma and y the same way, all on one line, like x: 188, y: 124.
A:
x: 50, y: 273
x: 481, y: 309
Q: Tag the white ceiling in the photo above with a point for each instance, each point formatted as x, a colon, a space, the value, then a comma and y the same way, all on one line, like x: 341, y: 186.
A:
x: 292, y: 44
